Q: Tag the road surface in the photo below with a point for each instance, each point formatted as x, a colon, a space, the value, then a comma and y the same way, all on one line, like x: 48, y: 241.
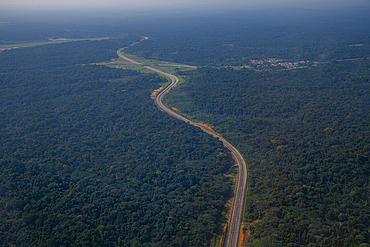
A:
x: 233, y: 229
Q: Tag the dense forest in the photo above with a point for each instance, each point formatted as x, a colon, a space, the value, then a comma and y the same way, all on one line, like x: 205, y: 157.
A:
x: 303, y: 132
x: 305, y: 136
x: 249, y: 35
x: 87, y: 159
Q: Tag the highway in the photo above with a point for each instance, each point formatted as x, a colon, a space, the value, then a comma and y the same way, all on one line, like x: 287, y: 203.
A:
x: 236, y: 218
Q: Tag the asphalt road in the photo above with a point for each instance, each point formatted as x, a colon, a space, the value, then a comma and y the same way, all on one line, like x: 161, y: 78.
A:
x: 233, y: 231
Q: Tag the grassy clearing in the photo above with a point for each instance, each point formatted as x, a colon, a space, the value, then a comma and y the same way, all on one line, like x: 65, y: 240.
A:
x: 170, y: 68
x: 357, y: 45
x: 56, y: 41
x: 155, y: 63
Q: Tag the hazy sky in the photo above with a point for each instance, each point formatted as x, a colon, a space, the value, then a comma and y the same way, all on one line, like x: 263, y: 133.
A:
x: 178, y: 3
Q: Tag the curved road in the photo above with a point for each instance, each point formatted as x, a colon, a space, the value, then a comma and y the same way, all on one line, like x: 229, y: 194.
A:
x: 233, y: 230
